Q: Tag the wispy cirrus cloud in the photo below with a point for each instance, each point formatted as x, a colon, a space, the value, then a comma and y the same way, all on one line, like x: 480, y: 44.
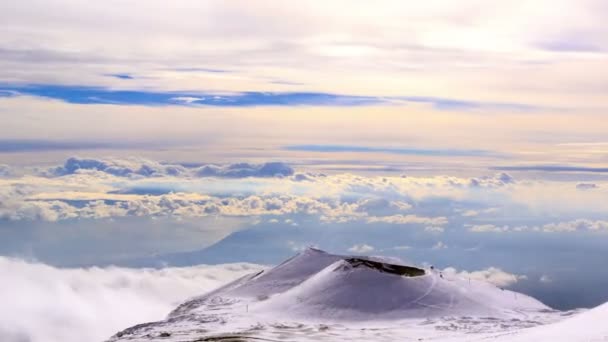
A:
x: 40, y: 145
x: 553, y: 168
x: 389, y: 150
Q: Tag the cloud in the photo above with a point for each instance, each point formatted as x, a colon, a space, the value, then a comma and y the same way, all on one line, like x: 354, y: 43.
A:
x: 299, y: 247
x: 389, y: 150
x: 572, y: 43
x: 576, y: 225
x: 434, y: 229
x: 553, y: 168
x: 466, y: 105
x: 484, y: 228
x: 6, y: 171
x: 46, y: 304
x: 37, y: 145
x: 148, y: 168
x: 475, y: 213
x: 181, y: 204
x: 586, y: 186
x: 500, y: 179
x: 470, y: 213
x: 408, y: 219
x: 99, y: 188
x: 439, y: 245
x: 579, y: 225
x: 491, y: 275
x: 241, y: 170
x: 361, y: 249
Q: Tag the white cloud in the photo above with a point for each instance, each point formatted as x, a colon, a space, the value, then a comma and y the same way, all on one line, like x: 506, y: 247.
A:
x: 110, y: 187
x: 147, y: 168
x: 484, y: 228
x: 474, y: 213
x: 470, y: 213
x: 442, y: 39
x: 299, y: 247
x: 545, y: 279
x: 187, y: 99
x: 579, y: 225
x: 434, y: 229
x: 46, y: 304
x: 576, y: 225
x: 408, y: 219
x: 439, y: 245
x: 491, y: 275
x: 361, y: 249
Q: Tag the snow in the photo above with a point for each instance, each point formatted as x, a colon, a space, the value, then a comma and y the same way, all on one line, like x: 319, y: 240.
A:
x: 587, y: 326
x: 317, y: 296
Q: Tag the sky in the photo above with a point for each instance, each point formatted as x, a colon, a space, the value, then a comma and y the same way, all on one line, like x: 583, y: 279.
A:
x: 469, y: 135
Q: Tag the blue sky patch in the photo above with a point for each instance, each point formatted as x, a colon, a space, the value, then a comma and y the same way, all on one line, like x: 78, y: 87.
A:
x: 122, y: 76
x: 101, y: 95
x: 98, y: 95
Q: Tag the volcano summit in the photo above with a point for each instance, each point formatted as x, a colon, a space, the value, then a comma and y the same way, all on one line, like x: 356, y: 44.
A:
x: 320, y: 296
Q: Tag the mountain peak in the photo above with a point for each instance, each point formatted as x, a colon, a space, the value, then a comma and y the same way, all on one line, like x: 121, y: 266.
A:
x: 316, y: 287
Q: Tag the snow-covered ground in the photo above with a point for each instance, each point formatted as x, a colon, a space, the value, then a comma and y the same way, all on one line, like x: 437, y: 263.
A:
x: 316, y: 296
x: 588, y: 326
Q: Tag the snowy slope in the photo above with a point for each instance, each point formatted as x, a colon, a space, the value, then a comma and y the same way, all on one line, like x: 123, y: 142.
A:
x: 591, y: 326
x: 321, y: 296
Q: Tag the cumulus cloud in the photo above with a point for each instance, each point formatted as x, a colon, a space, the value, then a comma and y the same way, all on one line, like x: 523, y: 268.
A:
x: 498, y: 180
x: 147, y: 168
x: 491, y: 275
x: 41, y: 303
x: 361, y: 249
x: 115, y: 167
x: 576, y: 225
x: 241, y: 170
x: 108, y: 188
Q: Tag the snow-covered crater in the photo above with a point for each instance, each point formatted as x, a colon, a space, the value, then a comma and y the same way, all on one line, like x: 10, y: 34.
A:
x: 320, y: 296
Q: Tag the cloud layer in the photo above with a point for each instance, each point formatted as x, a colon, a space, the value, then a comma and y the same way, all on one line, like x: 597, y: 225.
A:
x: 106, y: 188
x: 47, y: 304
